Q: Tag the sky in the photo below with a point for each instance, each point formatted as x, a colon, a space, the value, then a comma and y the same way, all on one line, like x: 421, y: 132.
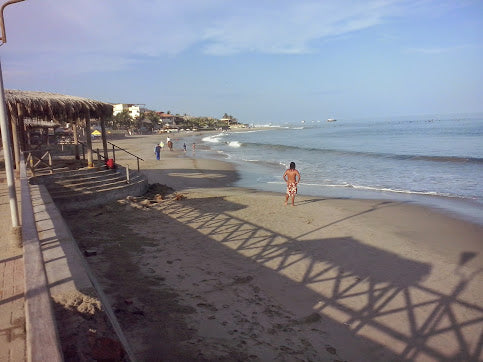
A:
x: 257, y: 60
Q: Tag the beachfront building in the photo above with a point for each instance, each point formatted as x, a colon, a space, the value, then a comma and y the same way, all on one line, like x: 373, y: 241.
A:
x: 170, y: 120
x: 228, y: 119
x: 134, y: 110
x: 166, y: 118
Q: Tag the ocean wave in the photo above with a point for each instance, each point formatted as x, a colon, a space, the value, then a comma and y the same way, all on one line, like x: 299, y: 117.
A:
x: 235, y: 144
x: 447, y: 159
x: 212, y: 139
x: 383, y: 189
x: 263, y: 163
x: 378, y: 189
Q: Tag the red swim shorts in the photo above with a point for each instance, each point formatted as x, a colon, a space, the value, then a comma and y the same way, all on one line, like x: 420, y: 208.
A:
x: 291, y: 189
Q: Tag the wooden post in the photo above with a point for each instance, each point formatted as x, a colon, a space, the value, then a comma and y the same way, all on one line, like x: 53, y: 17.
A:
x: 29, y: 140
x: 104, y: 138
x: 50, y: 163
x: 90, y: 162
x: 76, y: 139
x: 16, y: 148
x: 44, y: 133
x: 21, y: 127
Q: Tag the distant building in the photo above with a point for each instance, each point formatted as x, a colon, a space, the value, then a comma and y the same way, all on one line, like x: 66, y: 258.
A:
x: 170, y: 120
x: 229, y: 121
x: 134, y: 110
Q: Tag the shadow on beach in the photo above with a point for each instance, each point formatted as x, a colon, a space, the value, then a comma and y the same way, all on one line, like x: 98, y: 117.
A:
x: 268, y: 295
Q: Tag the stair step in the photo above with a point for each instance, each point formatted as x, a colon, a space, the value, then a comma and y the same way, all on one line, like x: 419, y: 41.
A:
x: 91, y: 188
x: 79, y: 181
x: 74, y: 189
x: 76, y: 196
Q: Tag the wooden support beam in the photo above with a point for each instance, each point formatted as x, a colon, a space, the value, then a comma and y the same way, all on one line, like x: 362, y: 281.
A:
x: 90, y: 160
x: 76, y: 138
x: 104, y: 138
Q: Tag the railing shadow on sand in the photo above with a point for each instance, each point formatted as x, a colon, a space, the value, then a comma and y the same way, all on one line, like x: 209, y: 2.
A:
x: 377, y: 295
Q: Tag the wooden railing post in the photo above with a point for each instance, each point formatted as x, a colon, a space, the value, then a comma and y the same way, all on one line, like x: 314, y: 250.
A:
x: 127, y: 174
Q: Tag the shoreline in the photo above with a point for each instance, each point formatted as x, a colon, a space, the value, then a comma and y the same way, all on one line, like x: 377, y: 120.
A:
x: 463, y: 209
x: 230, y: 273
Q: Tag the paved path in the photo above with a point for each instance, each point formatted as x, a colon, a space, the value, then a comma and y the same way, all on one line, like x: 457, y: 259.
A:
x: 12, y: 313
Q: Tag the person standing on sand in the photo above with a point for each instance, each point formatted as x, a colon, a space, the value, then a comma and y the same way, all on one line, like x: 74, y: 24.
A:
x: 292, y: 178
x: 157, y: 151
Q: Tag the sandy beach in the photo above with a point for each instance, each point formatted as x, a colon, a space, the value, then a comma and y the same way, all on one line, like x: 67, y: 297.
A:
x: 199, y: 270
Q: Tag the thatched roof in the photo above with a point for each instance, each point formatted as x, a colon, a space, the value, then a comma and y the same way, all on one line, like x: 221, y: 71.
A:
x: 59, y: 107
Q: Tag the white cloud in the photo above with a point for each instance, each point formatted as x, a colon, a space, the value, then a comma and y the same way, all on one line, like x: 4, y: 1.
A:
x: 78, y: 35
x: 291, y: 27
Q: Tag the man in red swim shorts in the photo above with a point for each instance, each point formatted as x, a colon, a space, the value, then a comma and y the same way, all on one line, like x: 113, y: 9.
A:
x: 292, y: 178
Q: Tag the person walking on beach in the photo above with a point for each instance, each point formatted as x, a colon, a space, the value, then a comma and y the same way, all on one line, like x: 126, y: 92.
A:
x: 157, y: 151
x: 184, y: 147
x: 292, y: 178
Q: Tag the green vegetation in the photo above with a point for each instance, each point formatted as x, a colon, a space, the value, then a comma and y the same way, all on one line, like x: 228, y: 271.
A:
x: 152, y: 120
x: 121, y: 121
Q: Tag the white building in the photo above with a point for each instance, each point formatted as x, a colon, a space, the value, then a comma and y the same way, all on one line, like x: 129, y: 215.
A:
x: 117, y: 108
x: 133, y: 109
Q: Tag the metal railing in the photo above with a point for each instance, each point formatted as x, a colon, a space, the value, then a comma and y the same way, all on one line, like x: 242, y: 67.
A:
x: 122, y: 149
x: 100, y: 156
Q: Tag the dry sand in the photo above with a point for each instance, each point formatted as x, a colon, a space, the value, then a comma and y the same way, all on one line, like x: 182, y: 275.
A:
x: 216, y: 273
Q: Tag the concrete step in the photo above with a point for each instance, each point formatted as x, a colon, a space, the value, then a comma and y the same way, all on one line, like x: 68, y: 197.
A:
x: 74, y: 189
x: 94, y: 193
x: 87, y: 181
x: 57, y: 190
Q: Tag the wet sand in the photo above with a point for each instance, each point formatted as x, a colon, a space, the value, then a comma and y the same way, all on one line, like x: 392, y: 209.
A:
x: 209, y: 272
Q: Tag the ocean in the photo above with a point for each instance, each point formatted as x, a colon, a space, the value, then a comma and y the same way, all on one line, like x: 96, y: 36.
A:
x: 434, y: 162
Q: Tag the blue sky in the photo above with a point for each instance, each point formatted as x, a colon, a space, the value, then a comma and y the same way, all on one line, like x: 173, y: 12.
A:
x: 261, y: 61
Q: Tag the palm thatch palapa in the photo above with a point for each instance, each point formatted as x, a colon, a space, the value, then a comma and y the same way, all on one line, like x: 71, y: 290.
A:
x: 58, y: 107
x: 51, y: 109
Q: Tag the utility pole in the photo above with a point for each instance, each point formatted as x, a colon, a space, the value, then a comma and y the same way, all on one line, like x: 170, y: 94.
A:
x: 7, y: 146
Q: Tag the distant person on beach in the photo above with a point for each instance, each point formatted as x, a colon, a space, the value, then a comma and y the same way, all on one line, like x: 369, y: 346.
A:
x: 170, y: 145
x: 292, y: 178
x: 184, y: 147
x: 157, y: 151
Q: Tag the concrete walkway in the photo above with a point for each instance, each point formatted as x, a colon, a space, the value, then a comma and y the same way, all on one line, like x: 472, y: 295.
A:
x: 12, y: 301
